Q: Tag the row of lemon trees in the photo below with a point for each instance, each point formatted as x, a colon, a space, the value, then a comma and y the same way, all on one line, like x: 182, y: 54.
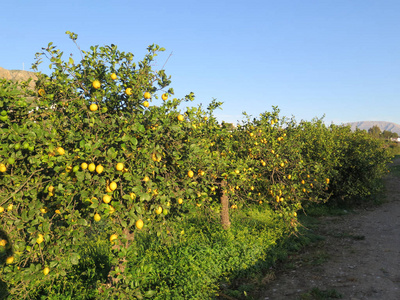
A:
x: 101, y: 150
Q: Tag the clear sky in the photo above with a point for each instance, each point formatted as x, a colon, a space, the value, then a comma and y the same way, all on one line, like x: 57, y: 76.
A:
x: 338, y: 58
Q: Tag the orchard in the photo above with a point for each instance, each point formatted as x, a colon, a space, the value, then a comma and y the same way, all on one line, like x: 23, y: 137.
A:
x: 99, y: 159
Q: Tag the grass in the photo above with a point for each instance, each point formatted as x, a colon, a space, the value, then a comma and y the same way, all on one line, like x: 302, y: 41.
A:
x: 318, y: 294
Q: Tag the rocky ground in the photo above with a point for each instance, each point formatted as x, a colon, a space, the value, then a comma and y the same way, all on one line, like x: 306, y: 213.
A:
x: 359, y: 257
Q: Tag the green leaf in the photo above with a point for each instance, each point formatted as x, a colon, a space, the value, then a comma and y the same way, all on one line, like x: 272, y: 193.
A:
x: 75, y: 258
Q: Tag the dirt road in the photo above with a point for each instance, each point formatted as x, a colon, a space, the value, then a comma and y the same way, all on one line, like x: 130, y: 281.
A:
x: 358, y: 259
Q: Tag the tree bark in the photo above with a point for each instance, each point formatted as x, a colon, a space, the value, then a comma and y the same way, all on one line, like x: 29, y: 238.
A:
x: 225, y: 207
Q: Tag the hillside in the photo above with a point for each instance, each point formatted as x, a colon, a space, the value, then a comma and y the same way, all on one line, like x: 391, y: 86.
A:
x: 365, y: 125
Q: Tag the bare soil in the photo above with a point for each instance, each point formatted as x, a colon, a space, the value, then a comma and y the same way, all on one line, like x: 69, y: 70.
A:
x: 359, y: 257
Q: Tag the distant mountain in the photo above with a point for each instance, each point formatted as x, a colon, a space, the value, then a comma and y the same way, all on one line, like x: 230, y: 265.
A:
x: 393, y: 127
x: 18, y: 75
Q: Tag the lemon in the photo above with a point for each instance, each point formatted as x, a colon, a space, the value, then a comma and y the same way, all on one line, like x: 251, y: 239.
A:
x: 39, y: 240
x: 92, y: 167
x: 60, y: 151
x: 99, y: 169
x: 180, y: 201
x: 128, y: 91
x: 113, y: 237
x: 180, y: 118
x: 3, y: 168
x: 190, y: 174
x: 113, y: 76
x: 120, y: 166
x: 93, y: 107
x: 113, y: 186
x: 1, y: 209
x: 46, y: 271
x: 96, y: 84
x: 97, y: 217
x: 139, y: 224
x: 9, y: 260
x: 84, y: 166
x: 106, y: 198
x: 146, y: 104
x: 147, y: 95
x: 159, y: 210
x: 164, y: 96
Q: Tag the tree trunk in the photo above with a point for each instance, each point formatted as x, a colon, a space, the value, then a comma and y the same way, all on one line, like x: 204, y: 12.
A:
x: 225, y: 207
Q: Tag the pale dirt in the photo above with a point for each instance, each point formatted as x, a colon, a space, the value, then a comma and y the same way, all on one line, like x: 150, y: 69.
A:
x: 359, y: 257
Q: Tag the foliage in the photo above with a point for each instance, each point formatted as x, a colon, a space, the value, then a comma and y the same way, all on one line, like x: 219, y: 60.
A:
x: 98, y: 177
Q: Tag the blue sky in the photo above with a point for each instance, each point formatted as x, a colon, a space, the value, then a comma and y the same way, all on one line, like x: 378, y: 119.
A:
x: 338, y: 58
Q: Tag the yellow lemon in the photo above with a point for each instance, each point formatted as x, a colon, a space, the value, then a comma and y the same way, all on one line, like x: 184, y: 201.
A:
x: 133, y: 196
x: 97, y: 217
x: 39, y: 240
x: 164, y: 96
x: 3, y: 243
x: 96, y: 84
x: 106, y: 198
x: 41, y: 92
x: 51, y: 188
x: 190, y: 174
x: 84, y: 166
x: 128, y: 91
x: 60, y: 151
x: 113, y: 76
x: 113, y: 186
x: 3, y: 168
x: 46, y: 271
x: 120, y: 166
x: 158, y: 210
x: 180, y: 201
x: 43, y: 210
x: 1, y: 209
x: 139, y: 224
x: 99, y: 169
x: 93, y: 107
x: 146, y: 104
x: 180, y: 118
x: 9, y: 260
x: 92, y: 167
x: 146, y: 178
x: 113, y: 237
x: 147, y: 95
x: 10, y: 207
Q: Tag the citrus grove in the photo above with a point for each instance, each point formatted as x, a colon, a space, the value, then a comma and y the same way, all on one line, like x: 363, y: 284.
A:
x: 99, y: 159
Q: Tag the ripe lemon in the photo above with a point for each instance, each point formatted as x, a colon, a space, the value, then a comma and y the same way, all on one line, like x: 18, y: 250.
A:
x: 113, y: 186
x: 99, y: 169
x: 51, y: 188
x: 327, y: 181
x: 120, y: 166
x: 106, y: 198
x: 180, y: 118
x: 146, y: 178
x: 108, y: 190
x: 41, y: 92
x: 164, y: 96
x: 43, y: 210
x: 190, y: 174
x: 60, y: 151
x: 159, y: 210
x: 133, y: 196
x: 128, y: 91
x: 97, y: 217
x: 39, y: 240
x: 139, y: 224
x: 147, y: 95
x: 3, y: 243
x: 46, y: 271
x: 113, y: 237
x: 96, y: 84
x: 3, y: 168
x: 92, y: 167
x: 113, y: 76
x: 237, y: 171
x: 10, y: 207
x: 84, y: 166
x: 9, y: 260
x: 180, y: 201
x: 146, y: 104
x: 93, y: 107
x: 1, y: 209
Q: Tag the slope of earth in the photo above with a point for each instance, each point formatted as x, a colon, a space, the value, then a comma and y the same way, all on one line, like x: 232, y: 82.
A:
x: 359, y: 257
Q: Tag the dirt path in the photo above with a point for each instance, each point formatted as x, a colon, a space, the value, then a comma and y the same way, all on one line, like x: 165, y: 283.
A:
x: 358, y: 259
